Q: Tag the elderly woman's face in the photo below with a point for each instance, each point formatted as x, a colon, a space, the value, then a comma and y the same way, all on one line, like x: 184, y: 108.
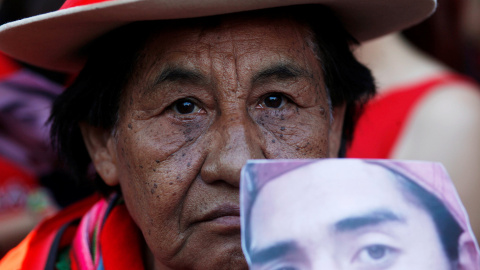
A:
x: 200, y: 103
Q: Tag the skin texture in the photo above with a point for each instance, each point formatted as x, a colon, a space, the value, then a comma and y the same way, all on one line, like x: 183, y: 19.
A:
x: 179, y: 173
x: 341, y: 237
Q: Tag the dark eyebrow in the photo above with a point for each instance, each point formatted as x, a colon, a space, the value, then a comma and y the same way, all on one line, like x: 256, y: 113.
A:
x: 281, y: 71
x: 273, y: 252
x: 173, y: 74
x: 369, y: 219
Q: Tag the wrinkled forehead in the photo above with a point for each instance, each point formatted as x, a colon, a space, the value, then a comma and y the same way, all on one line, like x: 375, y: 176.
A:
x: 267, y: 29
x: 274, y: 20
x: 239, y: 45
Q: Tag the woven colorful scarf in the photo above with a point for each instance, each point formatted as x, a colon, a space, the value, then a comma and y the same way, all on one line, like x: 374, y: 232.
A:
x: 95, y: 233
x: 85, y: 252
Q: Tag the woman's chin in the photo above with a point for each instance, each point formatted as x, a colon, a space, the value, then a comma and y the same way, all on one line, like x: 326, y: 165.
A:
x: 221, y: 252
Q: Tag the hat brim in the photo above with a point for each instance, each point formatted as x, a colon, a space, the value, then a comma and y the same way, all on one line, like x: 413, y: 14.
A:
x: 55, y: 40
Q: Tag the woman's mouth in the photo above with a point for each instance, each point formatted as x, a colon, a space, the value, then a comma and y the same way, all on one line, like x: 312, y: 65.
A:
x: 223, y: 218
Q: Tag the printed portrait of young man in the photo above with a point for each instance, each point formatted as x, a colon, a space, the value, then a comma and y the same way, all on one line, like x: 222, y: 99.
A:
x: 353, y: 214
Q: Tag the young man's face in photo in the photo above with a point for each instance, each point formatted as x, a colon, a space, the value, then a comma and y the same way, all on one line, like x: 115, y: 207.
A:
x: 345, y: 219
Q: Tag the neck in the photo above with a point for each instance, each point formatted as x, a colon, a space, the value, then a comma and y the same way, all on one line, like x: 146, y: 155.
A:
x: 394, y: 61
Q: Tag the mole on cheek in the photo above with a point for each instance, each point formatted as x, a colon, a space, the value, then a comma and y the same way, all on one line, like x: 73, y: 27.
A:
x: 261, y: 121
x: 188, y: 132
x: 322, y: 111
x: 153, y: 189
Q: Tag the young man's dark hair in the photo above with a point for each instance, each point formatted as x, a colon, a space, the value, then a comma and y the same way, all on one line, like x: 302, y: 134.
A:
x: 95, y: 95
x: 447, y: 227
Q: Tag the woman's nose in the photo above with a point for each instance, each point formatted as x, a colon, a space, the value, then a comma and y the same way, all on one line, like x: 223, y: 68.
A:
x: 232, y: 141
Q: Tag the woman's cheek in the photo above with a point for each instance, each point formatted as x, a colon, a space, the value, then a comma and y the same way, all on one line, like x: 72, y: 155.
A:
x: 294, y: 132
x: 164, y: 136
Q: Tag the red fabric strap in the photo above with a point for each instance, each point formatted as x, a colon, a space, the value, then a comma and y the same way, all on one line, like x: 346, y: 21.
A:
x: 121, y: 241
x: 385, y: 117
x: 75, y: 3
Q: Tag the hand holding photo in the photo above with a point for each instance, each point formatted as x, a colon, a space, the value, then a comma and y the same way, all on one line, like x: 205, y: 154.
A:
x: 353, y: 214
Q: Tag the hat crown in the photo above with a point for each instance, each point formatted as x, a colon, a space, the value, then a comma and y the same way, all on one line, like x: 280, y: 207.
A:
x: 57, y: 40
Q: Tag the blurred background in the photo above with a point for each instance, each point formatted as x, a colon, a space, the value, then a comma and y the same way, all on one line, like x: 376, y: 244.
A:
x: 452, y: 35
x: 33, y: 182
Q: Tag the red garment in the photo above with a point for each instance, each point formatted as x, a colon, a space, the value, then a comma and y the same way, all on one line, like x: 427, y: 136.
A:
x: 385, y: 116
x: 120, y: 239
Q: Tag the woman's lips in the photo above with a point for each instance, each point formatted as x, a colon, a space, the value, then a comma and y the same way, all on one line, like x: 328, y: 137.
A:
x: 225, y: 217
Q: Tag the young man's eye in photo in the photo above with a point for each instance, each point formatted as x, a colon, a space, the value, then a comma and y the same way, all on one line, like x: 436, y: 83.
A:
x: 376, y: 255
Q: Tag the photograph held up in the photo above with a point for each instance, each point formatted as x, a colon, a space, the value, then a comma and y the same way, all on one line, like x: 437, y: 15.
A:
x: 353, y: 214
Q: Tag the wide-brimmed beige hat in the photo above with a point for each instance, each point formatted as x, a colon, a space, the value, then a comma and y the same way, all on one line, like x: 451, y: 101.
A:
x: 54, y: 40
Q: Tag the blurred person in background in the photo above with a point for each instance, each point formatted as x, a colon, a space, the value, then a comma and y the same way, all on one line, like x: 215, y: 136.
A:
x: 30, y: 173
x: 25, y: 101
x: 425, y: 109
x: 26, y: 98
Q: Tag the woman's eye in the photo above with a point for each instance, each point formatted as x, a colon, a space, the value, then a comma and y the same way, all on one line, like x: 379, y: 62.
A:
x: 185, y: 106
x: 274, y: 101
